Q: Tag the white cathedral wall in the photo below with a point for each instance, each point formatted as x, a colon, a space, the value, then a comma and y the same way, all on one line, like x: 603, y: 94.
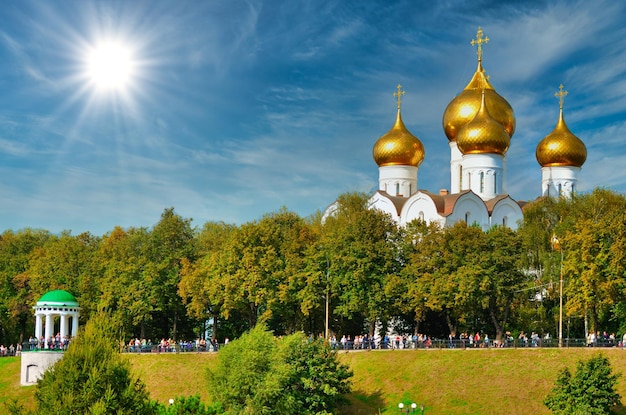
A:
x: 471, y: 209
x: 559, y: 181
x: 482, y: 174
x: 455, y: 168
x: 397, y: 180
x: 420, y: 206
x: 380, y: 202
x: 508, y: 213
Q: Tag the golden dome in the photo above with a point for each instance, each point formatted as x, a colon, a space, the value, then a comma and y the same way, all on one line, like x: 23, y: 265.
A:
x: 464, y: 106
x: 561, y: 147
x: 398, y: 147
x: 483, y: 134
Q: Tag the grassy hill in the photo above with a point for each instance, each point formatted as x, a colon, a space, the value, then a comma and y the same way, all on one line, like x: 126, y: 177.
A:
x: 483, y: 381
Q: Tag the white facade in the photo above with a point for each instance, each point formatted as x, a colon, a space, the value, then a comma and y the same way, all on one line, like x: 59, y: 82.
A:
x: 398, y: 180
x: 559, y: 181
x: 483, y: 174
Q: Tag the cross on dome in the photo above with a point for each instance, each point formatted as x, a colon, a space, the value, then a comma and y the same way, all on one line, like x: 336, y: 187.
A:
x: 560, y: 95
x: 479, y: 43
x: 399, y: 95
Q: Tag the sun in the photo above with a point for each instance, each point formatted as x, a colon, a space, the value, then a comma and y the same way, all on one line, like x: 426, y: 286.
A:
x: 110, y: 66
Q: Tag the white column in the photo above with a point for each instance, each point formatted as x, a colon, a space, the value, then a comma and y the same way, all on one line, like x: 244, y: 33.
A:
x: 37, y: 325
x: 74, y: 324
x: 48, y: 329
x: 63, y: 329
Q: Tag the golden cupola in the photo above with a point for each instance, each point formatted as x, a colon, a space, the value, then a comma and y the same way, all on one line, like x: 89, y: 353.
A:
x: 483, y: 134
x: 464, y: 106
x: 561, y: 147
x: 398, y: 146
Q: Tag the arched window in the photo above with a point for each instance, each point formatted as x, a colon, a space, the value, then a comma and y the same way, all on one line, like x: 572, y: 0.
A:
x: 421, y: 215
x: 467, y: 217
x: 397, y: 189
x: 482, y: 182
x: 460, y: 176
x: 504, y: 221
x: 560, y: 189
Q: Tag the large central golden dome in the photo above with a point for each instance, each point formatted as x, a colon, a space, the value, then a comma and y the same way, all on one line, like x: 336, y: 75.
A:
x: 464, y: 106
x: 561, y: 147
x: 483, y: 134
x: 398, y: 147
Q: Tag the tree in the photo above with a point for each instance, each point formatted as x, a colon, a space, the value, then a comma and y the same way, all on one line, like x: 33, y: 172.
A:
x: 590, y: 391
x: 196, y: 286
x: 360, y: 245
x: 169, y: 243
x: 92, y: 377
x: 257, y: 270
x: 260, y: 374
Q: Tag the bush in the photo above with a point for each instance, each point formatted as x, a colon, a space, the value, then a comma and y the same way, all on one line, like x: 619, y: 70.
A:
x: 190, y: 405
x: 590, y: 391
x: 259, y: 374
x: 92, y: 378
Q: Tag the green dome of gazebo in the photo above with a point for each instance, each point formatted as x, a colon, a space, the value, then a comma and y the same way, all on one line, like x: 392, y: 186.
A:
x: 58, y: 298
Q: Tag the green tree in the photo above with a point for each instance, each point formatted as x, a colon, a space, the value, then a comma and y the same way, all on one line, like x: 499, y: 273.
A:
x: 92, y: 377
x: 590, y: 391
x: 258, y: 271
x: 360, y: 245
x: 196, y: 286
x: 260, y: 374
x: 170, y: 241
x: 124, y: 287
x: 16, y: 296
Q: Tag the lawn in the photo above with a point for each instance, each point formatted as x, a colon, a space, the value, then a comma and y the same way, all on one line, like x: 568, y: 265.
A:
x: 502, y: 381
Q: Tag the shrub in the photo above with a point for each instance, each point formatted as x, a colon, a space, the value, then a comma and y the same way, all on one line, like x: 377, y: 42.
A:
x: 259, y: 374
x: 92, y: 378
x: 590, y: 391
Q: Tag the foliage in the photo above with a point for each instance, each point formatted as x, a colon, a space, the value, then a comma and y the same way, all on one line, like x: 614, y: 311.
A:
x: 261, y: 374
x: 282, y: 271
x: 190, y: 405
x: 92, y: 377
x: 590, y: 391
x: 360, y: 248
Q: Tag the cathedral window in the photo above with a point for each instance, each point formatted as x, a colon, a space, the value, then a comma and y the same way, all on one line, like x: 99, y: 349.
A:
x: 397, y: 189
x: 482, y: 182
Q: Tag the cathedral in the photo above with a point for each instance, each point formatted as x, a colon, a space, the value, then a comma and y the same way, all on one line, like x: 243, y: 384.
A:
x: 479, y: 125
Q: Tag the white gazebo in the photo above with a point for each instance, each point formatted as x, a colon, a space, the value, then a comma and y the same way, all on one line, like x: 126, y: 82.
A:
x: 53, y: 304
x: 57, y: 303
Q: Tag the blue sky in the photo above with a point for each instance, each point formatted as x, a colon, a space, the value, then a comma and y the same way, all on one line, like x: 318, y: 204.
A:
x: 238, y: 108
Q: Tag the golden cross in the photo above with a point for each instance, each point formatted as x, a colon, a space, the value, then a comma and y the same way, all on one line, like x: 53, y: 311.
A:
x: 479, y: 42
x: 560, y: 95
x: 399, y: 95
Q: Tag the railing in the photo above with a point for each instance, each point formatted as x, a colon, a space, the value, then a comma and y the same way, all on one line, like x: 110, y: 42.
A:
x: 190, y: 347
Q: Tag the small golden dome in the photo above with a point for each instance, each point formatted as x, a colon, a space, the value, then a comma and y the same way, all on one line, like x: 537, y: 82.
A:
x: 464, y: 106
x: 483, y: 134
x: 561, y: 147
x: 398, y: 147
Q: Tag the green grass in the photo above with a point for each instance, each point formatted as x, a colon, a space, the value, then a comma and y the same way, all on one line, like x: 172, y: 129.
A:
x: 503, y: 381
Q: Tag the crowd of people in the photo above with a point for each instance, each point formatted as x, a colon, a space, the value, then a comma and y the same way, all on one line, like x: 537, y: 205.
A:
x: 56, y: 342
x: 137, y: 345
x: 346, y: 342
x: 388, y: 341
x: 11, y: 350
